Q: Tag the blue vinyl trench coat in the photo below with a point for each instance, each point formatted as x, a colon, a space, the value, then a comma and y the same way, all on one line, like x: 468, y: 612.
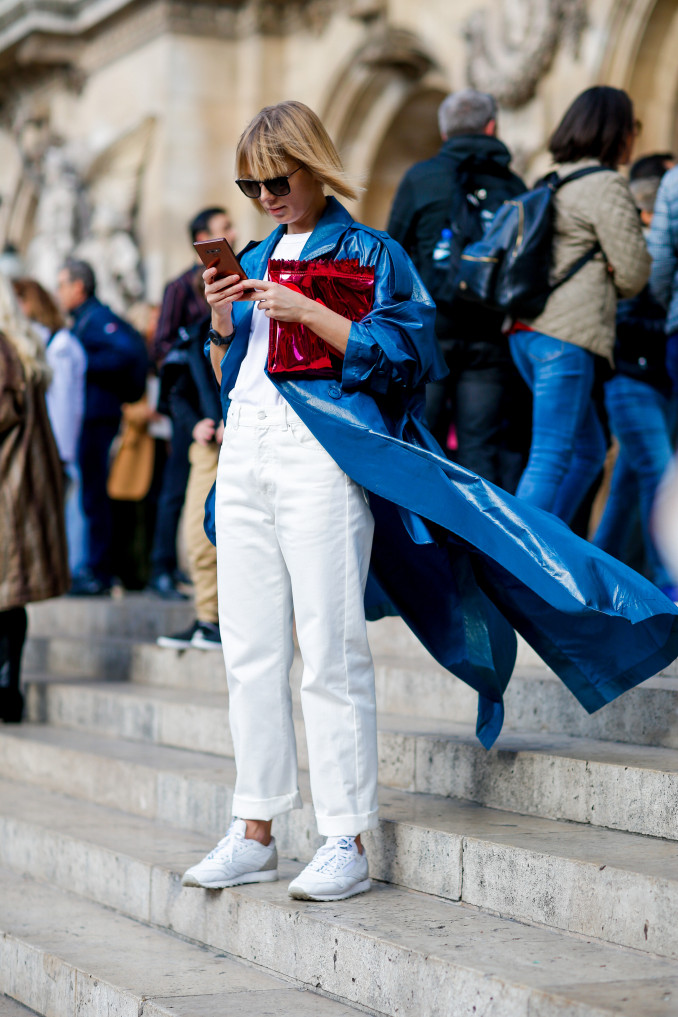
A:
x: 463, y: 562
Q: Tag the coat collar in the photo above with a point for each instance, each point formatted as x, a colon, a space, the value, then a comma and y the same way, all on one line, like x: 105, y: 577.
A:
x: 334, y: 221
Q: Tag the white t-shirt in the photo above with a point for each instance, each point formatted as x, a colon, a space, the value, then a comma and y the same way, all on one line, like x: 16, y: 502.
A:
x: 252, y: 387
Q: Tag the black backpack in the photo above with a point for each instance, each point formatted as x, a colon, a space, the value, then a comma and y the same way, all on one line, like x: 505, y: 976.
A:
x: 509, y: 268
x: 472, y: 210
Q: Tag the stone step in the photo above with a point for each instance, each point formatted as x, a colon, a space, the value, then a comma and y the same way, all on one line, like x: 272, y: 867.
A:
x: 536, y: 700
x: 10, y: 1008
x: 393, y: 951
x: 620, y: 888
x: 62, y: 956
x: 622, y: 787
x: 135, y: 616
x: 143, y: 616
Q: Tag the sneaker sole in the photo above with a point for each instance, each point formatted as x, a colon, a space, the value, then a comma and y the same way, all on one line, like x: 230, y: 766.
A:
x: 204, y: 644
x: 269, y: 876
x: 172, y: 644
x: 297, y: 893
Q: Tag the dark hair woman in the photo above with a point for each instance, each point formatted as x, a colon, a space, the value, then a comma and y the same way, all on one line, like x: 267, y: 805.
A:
x: 598, y: 125
x: 558, y: 352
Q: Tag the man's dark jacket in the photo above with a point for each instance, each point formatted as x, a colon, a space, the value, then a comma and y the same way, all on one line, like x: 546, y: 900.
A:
x: 183, y: 304
x: 188, y: 382
x: 427, y: 194
x: 117, y: 361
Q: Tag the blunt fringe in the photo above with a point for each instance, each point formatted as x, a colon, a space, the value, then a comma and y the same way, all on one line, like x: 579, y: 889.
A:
x: 290, y: 130
x: 597, y: 125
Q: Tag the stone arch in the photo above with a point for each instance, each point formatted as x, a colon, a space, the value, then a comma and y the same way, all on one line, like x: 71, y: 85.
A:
x: 641, y: 58
x: 381, y: 112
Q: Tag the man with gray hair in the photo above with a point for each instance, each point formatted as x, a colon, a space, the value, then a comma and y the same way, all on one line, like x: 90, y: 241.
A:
x: 442, y: 204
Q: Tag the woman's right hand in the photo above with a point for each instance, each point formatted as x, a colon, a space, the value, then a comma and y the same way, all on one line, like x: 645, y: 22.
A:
x: 220, y: 294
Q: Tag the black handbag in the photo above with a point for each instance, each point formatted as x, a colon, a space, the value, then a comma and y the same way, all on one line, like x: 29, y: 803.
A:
x: 509, y: 269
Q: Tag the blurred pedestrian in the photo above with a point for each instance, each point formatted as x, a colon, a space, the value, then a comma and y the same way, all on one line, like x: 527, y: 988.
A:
x: 33, y: 565
x: 135, y: 475
x: 441, y: 205
x: 65, y: 402
x: 649, y: 167
x: 183, y: 305
x: 663, y: 244
x: 196, y: 406
x: 560, y: 352
x: 116, y: 374
x: 638, y: 408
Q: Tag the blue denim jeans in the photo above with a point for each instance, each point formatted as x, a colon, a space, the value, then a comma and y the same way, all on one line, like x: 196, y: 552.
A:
x: 639, y: 419
x: 568, y: 444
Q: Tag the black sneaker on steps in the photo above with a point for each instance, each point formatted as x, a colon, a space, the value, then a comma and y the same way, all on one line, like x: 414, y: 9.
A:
x: 206, y: 636
x: 180, y: 640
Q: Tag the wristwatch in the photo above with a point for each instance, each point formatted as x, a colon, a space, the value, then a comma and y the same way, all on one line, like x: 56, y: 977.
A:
x: 219, y: 340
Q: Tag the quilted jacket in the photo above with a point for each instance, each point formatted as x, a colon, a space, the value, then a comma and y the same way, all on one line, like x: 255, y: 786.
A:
x: 664, y: 249
x: 594, y: 208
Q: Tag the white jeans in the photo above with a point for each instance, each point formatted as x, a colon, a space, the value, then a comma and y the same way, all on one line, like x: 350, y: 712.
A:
x: 294, y: 535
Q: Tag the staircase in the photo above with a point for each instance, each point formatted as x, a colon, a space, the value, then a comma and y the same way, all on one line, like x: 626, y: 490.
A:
x: 537, y: 880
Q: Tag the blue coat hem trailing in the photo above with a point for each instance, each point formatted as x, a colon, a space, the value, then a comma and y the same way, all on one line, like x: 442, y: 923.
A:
x: 465, y: 564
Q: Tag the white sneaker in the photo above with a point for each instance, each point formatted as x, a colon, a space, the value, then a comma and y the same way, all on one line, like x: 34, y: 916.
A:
x: 337, y: 871
x: 234, y: 860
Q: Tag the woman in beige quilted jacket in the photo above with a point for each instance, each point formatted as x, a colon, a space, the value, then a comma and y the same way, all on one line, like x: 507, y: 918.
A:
x: 558, y: 352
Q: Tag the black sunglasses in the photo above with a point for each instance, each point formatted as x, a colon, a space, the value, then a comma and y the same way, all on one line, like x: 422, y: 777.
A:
x: 276, y: 185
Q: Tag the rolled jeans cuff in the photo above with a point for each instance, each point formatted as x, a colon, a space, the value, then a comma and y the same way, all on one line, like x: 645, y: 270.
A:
x: 347, y: 826
x: 265, y: 808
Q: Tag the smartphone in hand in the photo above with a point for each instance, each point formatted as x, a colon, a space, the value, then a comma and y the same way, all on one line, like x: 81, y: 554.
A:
x: 218, y: 253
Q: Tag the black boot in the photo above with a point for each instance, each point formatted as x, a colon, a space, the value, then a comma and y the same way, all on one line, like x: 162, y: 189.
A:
x: 12, y: 636
x: 11, y: 706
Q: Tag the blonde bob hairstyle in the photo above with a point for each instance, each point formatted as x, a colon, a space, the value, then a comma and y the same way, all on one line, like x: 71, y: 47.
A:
x: 291, y: 131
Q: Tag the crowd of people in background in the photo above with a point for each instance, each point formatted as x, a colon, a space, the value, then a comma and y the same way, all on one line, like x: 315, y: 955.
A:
x: 110, y: 428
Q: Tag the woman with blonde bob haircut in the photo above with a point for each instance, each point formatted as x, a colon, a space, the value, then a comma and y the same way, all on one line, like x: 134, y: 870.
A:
x: 288, y: 131
x: 325, y: 472
x: 293, y: 530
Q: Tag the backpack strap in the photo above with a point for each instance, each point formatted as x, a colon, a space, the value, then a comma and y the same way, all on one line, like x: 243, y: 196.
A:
x: 585, y: 172
x: 579, y: 263
x: 591, y: 253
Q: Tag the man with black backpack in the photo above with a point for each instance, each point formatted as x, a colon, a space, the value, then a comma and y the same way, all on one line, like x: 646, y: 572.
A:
x: 443, y: 204
x: 117, y: 364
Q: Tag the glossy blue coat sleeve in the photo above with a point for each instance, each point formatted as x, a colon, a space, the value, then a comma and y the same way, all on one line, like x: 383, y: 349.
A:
x: 394, y: 345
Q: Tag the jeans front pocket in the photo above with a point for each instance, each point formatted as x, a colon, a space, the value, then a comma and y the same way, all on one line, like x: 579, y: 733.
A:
x: 544, y: 349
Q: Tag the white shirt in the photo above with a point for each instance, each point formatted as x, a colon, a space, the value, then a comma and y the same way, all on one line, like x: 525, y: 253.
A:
x: 252, y: 387
x: 65, y: 396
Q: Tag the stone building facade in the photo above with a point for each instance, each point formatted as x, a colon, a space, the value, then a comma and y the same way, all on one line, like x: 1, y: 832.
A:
x: 119, y: 118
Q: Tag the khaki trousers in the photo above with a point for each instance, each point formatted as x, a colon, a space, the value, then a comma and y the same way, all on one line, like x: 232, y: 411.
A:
x: 202, y: 555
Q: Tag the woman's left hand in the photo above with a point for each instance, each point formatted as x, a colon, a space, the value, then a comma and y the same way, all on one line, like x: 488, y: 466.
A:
x: 278, y: 301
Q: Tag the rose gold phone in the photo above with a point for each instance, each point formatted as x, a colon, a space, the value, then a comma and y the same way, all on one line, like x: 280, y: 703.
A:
x: 218, y: 253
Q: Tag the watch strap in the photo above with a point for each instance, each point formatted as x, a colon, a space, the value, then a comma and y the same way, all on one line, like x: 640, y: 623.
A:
x: 219, y: 340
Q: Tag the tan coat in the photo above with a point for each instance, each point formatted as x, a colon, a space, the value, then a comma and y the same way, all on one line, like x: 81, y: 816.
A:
x: 594, y: 208
x: 33, y: 555
x: 131, y: 472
